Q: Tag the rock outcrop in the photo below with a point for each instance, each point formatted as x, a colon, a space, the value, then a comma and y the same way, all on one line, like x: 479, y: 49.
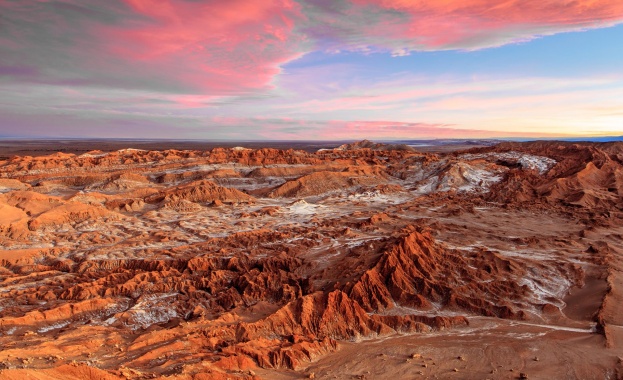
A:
x: 231, y: 262
x: 202, y: 192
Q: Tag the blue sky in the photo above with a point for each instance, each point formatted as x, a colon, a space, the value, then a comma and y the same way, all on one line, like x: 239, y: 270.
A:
x: 311, y: 69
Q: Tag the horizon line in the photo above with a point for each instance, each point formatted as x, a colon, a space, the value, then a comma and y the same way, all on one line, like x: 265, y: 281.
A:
x: 524, y: 138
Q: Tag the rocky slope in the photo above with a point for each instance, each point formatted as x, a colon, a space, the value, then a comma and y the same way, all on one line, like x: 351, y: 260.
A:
x: 240, y: 263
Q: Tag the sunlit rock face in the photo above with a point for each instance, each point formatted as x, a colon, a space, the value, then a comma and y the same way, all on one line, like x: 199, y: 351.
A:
x: 242, y: 263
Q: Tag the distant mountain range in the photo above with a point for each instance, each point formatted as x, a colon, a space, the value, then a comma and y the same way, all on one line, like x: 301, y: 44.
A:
x: 491, y: 142
x: 598, y: 139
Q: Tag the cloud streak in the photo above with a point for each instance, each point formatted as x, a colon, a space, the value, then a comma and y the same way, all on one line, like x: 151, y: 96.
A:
x: 211, y: 47
x: 234, y: 47
x: 403, y: 26
x: 160, y: 63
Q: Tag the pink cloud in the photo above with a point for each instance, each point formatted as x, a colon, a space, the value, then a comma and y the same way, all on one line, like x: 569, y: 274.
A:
x: 298, y: 129
x: 217, y: 47
x: 208, y: 47
x: 405, y: 25
x: 169, y: 62
x: 405, y: 130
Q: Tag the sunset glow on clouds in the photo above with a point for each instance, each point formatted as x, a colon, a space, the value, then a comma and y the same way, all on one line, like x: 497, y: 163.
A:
x: 315, y: 69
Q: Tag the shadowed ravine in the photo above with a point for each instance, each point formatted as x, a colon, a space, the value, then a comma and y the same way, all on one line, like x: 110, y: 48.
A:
x: 240, y: 263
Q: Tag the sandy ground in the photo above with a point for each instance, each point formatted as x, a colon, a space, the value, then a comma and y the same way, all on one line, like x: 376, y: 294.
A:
x: 487, y: 349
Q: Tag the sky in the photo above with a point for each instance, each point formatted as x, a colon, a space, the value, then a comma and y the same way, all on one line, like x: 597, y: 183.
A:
x: 311, y: 69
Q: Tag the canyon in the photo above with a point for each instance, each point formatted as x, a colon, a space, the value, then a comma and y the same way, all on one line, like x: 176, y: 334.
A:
x: 364, y: 260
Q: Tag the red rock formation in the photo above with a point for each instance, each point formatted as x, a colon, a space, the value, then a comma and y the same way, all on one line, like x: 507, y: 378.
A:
x: 69, y: 372
x: 13, y: 221
x: 585, y: 175
x: 201, y: 191
x: 71, y: 212
x: 154, y: 283
x: 322, y: 182
x: 366, y: 144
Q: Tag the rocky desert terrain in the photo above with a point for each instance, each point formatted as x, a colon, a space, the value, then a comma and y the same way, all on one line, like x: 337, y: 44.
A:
x: 366, y: 261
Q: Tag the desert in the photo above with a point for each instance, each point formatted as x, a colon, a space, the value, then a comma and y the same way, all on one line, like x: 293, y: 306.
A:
x: 311, y: 189
x: 364, y: 260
